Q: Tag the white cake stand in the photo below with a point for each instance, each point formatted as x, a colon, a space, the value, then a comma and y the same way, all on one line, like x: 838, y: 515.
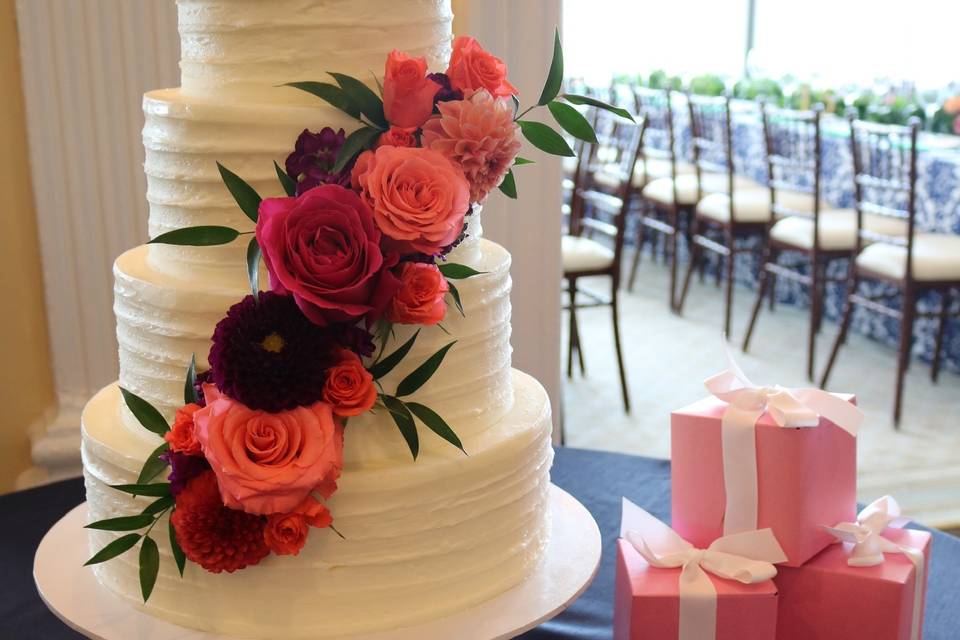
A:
x: 569, y: 566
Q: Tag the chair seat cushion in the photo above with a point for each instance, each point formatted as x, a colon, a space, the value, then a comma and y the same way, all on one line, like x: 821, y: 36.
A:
x: 661, y: 189
x: 838, y: 229
x: 583, y: 254
x: 749, y: 205
x: 936, y: 257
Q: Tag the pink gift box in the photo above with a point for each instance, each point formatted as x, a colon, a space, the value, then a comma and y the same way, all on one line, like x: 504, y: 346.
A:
x: 806, y: 477
x: 827, y: 599
x: 647, y: 603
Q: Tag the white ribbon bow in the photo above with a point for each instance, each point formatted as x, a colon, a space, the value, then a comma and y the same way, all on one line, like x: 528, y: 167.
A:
x: 745, y: 557
x: 869, y: 546
x: 746, y: 403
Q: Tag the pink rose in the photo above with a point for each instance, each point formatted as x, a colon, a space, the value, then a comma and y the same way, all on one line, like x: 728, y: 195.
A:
x: 418, y: 197
x: 269, y: 462
x: 407, y: 92
x: 398, y: 137
x: 349, y: 387
x: 286, y: 533
x: 956, y: 125
x: 478, y: 135
x: 420, y: 298
x: 323, y: 247
x: 473, y: 67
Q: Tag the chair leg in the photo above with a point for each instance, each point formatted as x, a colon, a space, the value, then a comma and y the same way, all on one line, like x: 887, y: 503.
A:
x: 638, y: 254
x: 696, y: 252
x: 572, y: 328
x: 772, y: 291
x: 616, y: 341
x: 816, y: 300
x: 842, y: 334
x: 945, y: 301
x: 903, y: 357
x: 728, y: 302
x: 674, y: 259
x: 762, y: 282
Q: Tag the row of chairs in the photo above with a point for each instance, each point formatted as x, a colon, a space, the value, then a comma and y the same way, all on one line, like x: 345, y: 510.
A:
x: 635, y: 170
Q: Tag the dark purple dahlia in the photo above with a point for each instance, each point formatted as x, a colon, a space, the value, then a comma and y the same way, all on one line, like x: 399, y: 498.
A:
x: 268, y: 355
x: 183, y: 469
x: 446, y: 92
x: 313, y: 158
x: 354, y: 338
x: 198, y: 381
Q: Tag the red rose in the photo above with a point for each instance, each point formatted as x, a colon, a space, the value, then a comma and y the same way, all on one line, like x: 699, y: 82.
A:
x: 286, y: 533
x: 398, y: 137
x: 182, y: 436
x: 420, y: 298
x: 349, y: 387
x: 473, y: 67
x: 407, y: 92
x: 323, y: 247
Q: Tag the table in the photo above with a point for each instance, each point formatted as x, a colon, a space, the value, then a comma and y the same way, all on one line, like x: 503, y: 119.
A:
x: 597, y: 479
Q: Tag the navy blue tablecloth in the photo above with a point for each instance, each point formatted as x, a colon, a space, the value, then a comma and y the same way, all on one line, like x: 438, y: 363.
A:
x: 597, y: 479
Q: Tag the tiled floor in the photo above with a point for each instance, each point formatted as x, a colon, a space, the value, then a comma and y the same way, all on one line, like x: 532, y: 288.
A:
x: 670, y: 356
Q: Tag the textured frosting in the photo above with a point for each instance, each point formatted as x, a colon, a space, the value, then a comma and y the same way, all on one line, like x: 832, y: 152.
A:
x: 163, y: 319
x: 422, y: 539
x: 242, y: 49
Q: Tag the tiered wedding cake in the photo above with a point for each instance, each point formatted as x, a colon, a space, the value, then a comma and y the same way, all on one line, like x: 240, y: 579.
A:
x: 421, y: 538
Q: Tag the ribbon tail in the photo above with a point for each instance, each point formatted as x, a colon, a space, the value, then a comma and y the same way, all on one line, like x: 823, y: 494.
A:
x: 698, y: 604
x: 919, y: 581
x: 739, y: 445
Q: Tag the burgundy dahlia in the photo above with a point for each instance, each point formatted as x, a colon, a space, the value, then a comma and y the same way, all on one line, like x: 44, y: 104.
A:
x: 446, y: 92
x: 354, y: 338
x: 198, y: 381
x: 183, y: 469
x: 268, y: 355
x: 313, y: 158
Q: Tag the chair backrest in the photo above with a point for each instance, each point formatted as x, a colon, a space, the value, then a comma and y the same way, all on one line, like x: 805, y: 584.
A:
x: 659, y: 140
x: 711, y: 129
x: 605, y: 212
x: 794, y: 159
x: 885, y: 178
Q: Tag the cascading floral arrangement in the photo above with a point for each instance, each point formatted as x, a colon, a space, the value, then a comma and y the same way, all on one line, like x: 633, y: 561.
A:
x: 359, y: 243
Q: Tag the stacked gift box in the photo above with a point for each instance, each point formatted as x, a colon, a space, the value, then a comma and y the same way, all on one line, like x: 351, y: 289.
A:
x: 766, y: 541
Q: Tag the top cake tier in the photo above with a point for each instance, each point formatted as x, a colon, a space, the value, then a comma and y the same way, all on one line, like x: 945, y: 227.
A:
x: 237, y: 48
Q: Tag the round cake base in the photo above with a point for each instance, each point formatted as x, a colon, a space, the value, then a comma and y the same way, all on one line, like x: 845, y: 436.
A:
x: 568, y: 567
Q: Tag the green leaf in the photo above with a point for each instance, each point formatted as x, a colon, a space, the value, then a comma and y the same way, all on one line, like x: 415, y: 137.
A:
x: 149, y: 566
x: 123, y: 523
x: 145, y: 413
x: 544, y: 138
x: 153, y: 465
x: 245, y: 195
x: 572, y: 121
x: 152, y: 490
x: 115, y: 548
x: 455, y: 294
x: 520, y: 161
x: 355, y: 143
x: 419, y: 376
x: 363, y: 96
x: 573, y: 98
x: 508, y: 186
x: 159, y: 505
x: 551, y: 87
x: 189, y: 384
x: 455, y: 271
x: 435, y: 423
x: 202, y: 236
x: 386, y: 365
x: 288, y: 183
x: 253, y: 267
x: 331, y: 94
x: 404, y: 421
x: 178, y: 555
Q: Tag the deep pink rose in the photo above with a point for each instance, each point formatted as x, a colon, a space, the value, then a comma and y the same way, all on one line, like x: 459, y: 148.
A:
x: 269, y: 462
x: 407, y: 92
x: 323, y: 247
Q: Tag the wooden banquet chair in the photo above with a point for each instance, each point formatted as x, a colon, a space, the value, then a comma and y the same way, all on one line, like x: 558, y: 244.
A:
x: 594, y: 242
x: 885, y: 186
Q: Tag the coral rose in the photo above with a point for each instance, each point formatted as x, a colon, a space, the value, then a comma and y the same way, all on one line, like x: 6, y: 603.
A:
x: 349, y: 386
x: 182, y: 436
x: 407, y: 92
x: 478, y: 135
x: 323, y: 247
x: 398, y: 137
x: 314, y: 512
x: 286, y: 533
x: 952, y: 105
x: 473, y: 67
x: 420, y: 298
x: 268, y: 462
x: 418, y: 197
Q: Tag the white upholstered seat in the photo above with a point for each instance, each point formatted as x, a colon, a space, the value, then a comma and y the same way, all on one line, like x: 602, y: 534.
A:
x: 661, y: 189
x: 608, y: 175
x: 583, y: 254
x: 936, y: 257
x: 838, y: 229
x: 749, y: 205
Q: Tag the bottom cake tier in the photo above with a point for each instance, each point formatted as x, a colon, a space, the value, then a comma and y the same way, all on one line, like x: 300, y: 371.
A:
x: 422, y: 539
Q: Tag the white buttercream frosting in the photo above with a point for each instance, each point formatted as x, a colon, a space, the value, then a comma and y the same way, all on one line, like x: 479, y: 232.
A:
x: 422, y: 539
x: 243, y: 49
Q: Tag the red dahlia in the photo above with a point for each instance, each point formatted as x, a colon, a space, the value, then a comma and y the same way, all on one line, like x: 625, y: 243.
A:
x: 213, y: 536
